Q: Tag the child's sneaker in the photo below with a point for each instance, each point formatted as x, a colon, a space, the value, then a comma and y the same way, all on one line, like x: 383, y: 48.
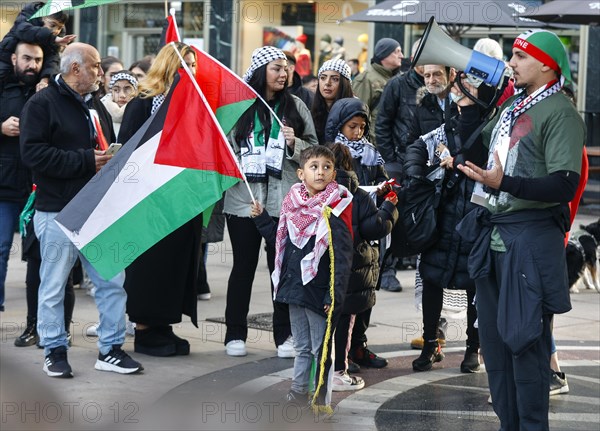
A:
x: 118, y: 361
x: 56, y: 364
x: 342, y: 381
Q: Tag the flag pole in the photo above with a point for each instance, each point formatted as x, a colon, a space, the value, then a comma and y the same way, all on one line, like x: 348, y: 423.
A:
x: 189, y: 72
x: 166, y: 8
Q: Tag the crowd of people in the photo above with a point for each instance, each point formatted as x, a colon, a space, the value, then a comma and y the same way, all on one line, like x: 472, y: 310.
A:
x: 308, y: 157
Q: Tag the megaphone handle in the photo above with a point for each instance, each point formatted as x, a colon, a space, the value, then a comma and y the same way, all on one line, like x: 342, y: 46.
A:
x: 466, y: 92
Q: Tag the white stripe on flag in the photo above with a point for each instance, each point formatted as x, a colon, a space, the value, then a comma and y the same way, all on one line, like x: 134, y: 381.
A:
x: 138, y: 179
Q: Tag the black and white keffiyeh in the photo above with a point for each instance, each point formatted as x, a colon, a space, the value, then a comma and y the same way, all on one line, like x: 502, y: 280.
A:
x: 339, y: 66
x: 432, y: 140
x: 156, y: 102
x: 260, y: 57
x: 361, y: 149
x: 123, y: 75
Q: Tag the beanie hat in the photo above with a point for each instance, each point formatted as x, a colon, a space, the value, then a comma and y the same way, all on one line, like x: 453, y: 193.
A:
x: 326, y: 38
x: 547, y: 48
x: 302, y: 38
x: 123, y: 75
x: 260, y: 57
x: 339, y: 66
x: 383, y: 48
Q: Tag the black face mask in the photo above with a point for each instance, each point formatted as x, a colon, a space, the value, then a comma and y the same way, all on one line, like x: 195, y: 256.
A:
x: 27, y: 78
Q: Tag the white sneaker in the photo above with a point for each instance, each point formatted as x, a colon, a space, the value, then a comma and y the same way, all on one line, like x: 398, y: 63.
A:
x: 92, y: 331
x: 204, y: 296
x: 130, y: 328
x: 342, y: 381
x: 286, y: 350
x: 236, y: 348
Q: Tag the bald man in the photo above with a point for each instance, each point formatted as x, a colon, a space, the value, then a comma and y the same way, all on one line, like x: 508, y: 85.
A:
x: 64, y: 131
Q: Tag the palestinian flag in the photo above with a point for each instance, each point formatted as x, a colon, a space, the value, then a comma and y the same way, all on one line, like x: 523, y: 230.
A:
x: 54, y: 6
x: 177, y: 165
x: 170, y: 31
x: 228, y: 96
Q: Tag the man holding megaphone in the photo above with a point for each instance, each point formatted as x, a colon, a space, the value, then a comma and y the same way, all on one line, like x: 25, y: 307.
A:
x: 535, y: 144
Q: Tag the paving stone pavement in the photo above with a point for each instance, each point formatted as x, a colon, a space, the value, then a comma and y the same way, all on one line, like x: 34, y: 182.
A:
x: 209, y: 390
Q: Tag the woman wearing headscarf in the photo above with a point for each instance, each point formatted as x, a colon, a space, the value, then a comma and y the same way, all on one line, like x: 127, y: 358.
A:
x: 268, y: 153
x: 123, y: 88
x: 161, y: 283
x: 334, y: 84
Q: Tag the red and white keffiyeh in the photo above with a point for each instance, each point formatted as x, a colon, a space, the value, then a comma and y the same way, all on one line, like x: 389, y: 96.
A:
x: 302, y: 217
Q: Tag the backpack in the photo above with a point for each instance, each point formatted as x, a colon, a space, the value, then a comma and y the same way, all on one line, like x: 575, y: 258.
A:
x: 418, y: 203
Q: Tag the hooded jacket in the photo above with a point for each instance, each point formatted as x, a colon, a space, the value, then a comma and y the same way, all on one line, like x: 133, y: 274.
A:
x: 369, y: 224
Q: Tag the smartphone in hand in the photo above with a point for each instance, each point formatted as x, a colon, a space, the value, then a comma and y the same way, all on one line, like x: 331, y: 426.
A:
x: 112, y: 149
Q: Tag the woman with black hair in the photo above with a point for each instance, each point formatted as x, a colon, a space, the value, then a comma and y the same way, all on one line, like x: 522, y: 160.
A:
x: 334, y: 84
x: 269, y: 152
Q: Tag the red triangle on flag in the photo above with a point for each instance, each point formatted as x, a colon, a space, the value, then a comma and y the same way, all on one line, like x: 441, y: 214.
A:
x: 171, y: 34
x: 191, y: 138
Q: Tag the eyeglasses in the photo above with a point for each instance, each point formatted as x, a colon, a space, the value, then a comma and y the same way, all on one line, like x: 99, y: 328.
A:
x: 126, y: 90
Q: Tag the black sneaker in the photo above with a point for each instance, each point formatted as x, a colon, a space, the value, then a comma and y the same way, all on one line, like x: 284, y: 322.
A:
x: 352, y: 367
x: 470, y: 363
x: 29, y: 337
x: 558, y: 383
x: 56, y: 364
x: 118, y: 361
x: 365, y: 358
x: 431, y: 353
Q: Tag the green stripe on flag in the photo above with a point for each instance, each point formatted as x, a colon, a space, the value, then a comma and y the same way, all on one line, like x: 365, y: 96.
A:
x: 228, y: 115
x: 187, y: 194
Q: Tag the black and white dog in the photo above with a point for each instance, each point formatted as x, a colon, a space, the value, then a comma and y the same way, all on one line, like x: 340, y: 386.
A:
x: 582, y: 257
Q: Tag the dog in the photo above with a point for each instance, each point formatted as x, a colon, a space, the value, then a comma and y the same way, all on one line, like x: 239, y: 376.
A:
x: 582, y: 257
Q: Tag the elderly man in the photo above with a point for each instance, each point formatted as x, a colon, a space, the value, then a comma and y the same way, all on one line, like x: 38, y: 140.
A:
x: 63, y: 129
x: 535, y: 149
x: 15, y: 181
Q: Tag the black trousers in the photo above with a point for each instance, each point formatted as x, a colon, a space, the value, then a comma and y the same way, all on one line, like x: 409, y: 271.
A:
x: 246, y: 244
x: 359, y: 333
x: 518, y: 384
x: 433, y: 300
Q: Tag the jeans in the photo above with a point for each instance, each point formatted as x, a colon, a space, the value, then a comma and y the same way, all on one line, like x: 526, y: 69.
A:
x: 308, y: 329
x: 9, y: 216
x: 58, y: 257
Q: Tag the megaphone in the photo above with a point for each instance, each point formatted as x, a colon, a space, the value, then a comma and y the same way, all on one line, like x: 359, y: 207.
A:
x: 438, y: 48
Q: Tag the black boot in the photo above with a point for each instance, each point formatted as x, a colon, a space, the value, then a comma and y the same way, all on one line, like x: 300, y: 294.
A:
x: 431, y: 353
x: 182, y: 346
x: 29, y: 337
x: 154, y: 342
x: 470, y: 363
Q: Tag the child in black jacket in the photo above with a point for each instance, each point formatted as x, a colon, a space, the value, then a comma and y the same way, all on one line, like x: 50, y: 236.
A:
x: 44, y: 31
x: 313, y: 246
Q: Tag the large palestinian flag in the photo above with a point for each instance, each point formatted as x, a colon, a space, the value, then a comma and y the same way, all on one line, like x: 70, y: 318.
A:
x: 177, y: 165
x: 53, y: 6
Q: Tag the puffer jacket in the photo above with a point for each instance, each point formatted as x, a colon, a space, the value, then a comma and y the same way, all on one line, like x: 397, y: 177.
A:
x: 397, y: 110
x: 429, y: 115
x: 342, y: 111
x: 445, y: 263
x: 369, y: 224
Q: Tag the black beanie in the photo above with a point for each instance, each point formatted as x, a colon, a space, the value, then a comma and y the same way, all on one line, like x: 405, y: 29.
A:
x: 383, y: 48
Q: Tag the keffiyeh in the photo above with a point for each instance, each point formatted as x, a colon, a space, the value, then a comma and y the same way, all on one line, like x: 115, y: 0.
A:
x: 339, y: 66
x: 260, y: 57
x: 361, y: 149
x: 302, y: 218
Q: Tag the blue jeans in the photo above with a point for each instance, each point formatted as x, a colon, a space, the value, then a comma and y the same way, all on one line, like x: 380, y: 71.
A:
x: 9, y: 215
x: 58, y: 257
x: 308, y: 330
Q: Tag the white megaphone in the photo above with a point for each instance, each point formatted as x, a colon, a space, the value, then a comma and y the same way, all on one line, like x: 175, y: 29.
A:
x: 438, y: 48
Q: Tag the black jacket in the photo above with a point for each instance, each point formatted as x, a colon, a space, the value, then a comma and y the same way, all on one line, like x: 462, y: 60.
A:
x: 316, y: 293
x: 58, y: 142
x: 429, y: 115
x: 31, y: 31
x: 369, y: 224
x: 137, y: 111
x: 15, y: 178
x: 445, y: 263
x: 396, y: 114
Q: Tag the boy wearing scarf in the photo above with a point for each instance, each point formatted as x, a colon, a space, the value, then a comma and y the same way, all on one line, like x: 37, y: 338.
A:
x: 313, y: 260
x: 518, y: 263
